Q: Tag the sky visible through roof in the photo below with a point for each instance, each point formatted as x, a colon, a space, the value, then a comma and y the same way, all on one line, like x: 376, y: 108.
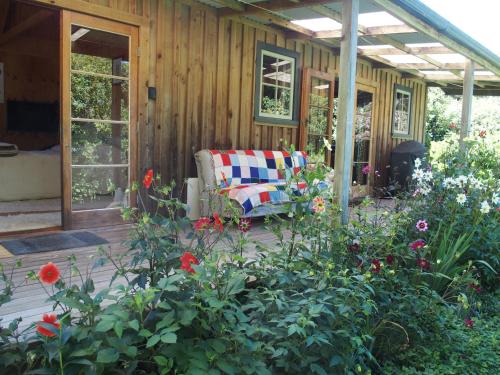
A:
x: 478, y: 18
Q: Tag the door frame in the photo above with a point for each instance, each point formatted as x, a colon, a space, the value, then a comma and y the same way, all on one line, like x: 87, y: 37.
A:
x: 304, y: 105
x: 101, y: 217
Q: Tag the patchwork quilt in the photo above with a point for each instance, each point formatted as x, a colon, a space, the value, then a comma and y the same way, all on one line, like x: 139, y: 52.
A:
x: 253, y: 177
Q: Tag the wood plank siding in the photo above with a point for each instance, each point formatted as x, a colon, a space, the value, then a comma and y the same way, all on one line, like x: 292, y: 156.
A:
x: 203, y: 68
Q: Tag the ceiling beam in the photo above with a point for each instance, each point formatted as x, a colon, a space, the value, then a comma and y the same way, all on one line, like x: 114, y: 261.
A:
x: 423, y: 27
x: 453, y: 78
x: 27, y: 24
x: 413, y: 51
x: 231, y: 4
x: 275, y: 5
x: 368, y: 31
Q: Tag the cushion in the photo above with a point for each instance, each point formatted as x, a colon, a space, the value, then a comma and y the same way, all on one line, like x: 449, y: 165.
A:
x: 7, y: 149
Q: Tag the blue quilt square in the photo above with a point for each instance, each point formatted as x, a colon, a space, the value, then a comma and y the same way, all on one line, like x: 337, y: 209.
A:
x: 254, y: 172
x: 247, y: 206
x: 263, y: 174
x: 271, y: 163
x: 236, y: 171
x: 234, y: 159
x: 288, y: 161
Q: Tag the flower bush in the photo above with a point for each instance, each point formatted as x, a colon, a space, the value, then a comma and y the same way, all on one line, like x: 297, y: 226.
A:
x: 323, y: 299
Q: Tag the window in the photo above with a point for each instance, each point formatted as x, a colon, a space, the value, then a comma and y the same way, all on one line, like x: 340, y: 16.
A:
x: 401, y: 113
x: 276, y: 85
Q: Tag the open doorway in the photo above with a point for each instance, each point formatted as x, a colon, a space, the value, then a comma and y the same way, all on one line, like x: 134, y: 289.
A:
x: 30, y: 153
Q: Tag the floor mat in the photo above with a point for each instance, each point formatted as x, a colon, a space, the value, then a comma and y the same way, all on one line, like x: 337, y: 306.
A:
x: 52, y: 242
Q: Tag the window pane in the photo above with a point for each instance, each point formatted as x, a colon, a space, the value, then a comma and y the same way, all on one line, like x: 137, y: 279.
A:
x: 318, y: 121
x: 268, y: 103
x: 95, y: 187
x: 319, y: 92
x: 284, y: 73
x: 284, y: 102
x: 269, y: 69
x: 362, y: 136
x: 98, y: 143
x: 98, y: 98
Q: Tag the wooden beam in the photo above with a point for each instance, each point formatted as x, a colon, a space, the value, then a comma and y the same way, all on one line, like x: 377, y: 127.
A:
x: 347, y: 82
x: 467, y: 101
x: 413, y: 51
x: 231, y: 4
x: 275, y: 5
x: 413, y: 21
x: 4, y: 12
x: 453, y: 78
x: 368, y: 31
x: 410, y: 70
x: 279, y: 21
x: 27, y: 24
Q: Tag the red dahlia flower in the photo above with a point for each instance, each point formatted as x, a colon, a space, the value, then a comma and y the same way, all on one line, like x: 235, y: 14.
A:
x: 202, y: 223
x: 245, y: 224
x: 148, y: 179
x: 476, y: 287
x: 482, y: 133
x: 50, y: 319
x: 376, y: 265
x: 415, y: 245
x: 218, y: 225
x: 469, y: 323
x: 49, y: 273
x: 423, y: 264
x: 389, y: 259
x: 186, y: 260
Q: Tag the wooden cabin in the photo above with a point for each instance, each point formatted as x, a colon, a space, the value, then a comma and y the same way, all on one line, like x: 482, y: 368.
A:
x: 95, y: 92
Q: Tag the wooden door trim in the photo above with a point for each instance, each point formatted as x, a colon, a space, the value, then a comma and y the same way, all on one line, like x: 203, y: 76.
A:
x: 73, y: 219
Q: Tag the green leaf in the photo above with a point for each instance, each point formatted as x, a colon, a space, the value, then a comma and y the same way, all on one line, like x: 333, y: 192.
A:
x: 134, y: 324
x: 235, y: 285
x: 226, y: 367
x: 187, y: 316
x: 118, y: 329
x: 105, y: 325
x: 108, y: 355
x: 153, y: 341
x: 169, y: 338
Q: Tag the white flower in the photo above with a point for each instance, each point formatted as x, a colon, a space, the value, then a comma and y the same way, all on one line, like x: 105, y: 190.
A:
x: 474, y: 182
x: 448, y: 182
x: 485, y: 207
x: 418, y: 163
x: 461, y: 198
x: 327, y: 144
x: 418, y: 174
x: 495, y: 199
x: 315, y: 182
x: 425, y: 190
x: 461, y: 181
x: 427, y: 176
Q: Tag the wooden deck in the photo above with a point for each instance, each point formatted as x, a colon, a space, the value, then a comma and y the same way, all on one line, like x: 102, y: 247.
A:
x: 30, y: 299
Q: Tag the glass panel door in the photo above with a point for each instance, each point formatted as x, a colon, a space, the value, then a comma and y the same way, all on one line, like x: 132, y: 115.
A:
x: 101, y: 109
x: 317, y: 114
x: 361, y: 168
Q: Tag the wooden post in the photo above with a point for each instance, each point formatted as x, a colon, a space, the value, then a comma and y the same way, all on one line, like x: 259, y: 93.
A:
x: 347, y: 79
x: 467, y: 101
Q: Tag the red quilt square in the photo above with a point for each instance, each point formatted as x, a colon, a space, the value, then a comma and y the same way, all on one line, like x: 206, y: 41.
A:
x: 264, y: 196
x: 286, y: 154
x: 249, y: 152
x: 231, y: 151
x: 269, y: 154
x: 214, y: 152
x: 225, y: 159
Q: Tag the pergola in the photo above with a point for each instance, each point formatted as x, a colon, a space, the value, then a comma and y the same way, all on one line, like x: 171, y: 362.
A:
x: 401, y: 34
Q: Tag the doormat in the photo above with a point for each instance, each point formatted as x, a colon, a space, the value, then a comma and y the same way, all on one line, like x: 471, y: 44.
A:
x: 52, y: 242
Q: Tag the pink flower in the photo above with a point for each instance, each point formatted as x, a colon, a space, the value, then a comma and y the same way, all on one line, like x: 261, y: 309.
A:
x: 244, y: 224
x: 366, y: 169
x: 476, y: 287
x: 453, y: 125
x: 418, y: 244
x: 469, y: 323
x: 422, y: 225
x: 318, y: 205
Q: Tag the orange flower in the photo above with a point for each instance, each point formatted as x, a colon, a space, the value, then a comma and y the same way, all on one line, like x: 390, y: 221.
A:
x: 148, y: 179
x: 218, y: 225
x: 186, y: 260
x: 47, y: 319
x: 202, y: 224
x: 49, y: 273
